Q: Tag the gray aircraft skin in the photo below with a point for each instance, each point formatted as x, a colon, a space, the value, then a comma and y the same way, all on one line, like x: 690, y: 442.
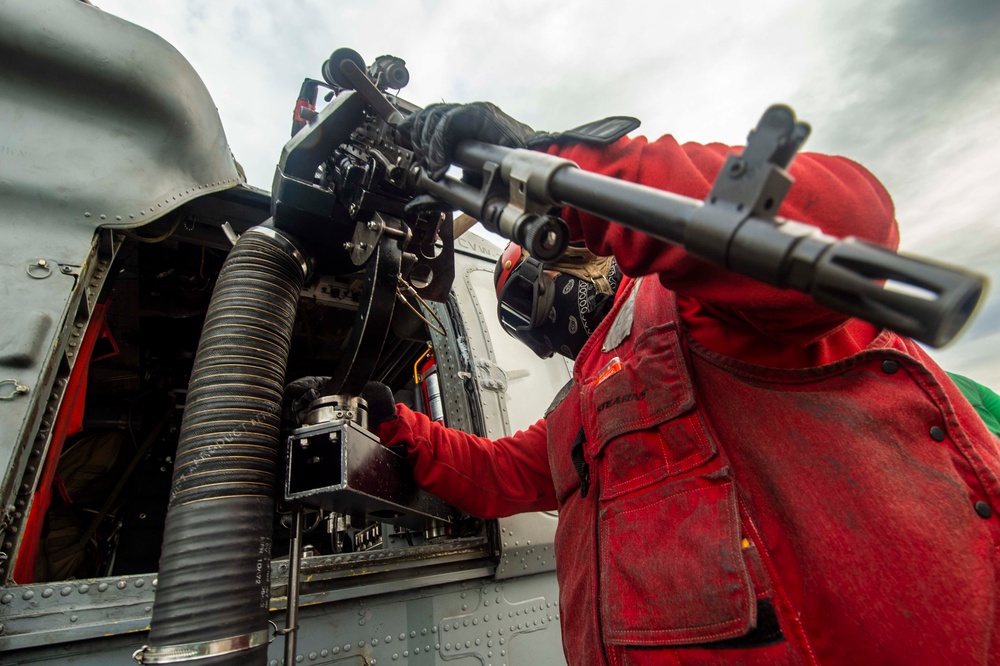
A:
x: 119, y: 201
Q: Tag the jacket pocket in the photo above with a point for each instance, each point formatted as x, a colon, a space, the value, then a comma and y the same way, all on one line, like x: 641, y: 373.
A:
x: 671, y: 568
x: 641, y: 422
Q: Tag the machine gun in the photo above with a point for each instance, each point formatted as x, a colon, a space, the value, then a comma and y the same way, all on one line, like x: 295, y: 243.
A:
x: 366, y: 173
x: 349, y: 198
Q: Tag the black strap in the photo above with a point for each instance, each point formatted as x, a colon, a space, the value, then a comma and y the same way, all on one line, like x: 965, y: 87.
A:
x: 581, y: 466
x: 602, y: 132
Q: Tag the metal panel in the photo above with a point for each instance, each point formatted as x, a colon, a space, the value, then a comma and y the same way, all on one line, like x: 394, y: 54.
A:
x: 72, y: 611
x: 514, y: 387
x: 102, y: 123
x: 451, y: 354
x: 483, y: 623
x: 476, y: 621
x: 526, y: 544
x: 476, y: 246
x: 528, y: 383
x: 50, y: 613
x: 491, y: 625
x: 51, y: 275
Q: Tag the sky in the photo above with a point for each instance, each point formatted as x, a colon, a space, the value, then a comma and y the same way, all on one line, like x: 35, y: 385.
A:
x: 908, y: 88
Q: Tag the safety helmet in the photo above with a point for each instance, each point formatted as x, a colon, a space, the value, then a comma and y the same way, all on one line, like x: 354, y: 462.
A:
x: 554, y: 307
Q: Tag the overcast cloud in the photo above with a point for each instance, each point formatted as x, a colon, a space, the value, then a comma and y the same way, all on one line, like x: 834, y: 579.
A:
x: 909, y: 88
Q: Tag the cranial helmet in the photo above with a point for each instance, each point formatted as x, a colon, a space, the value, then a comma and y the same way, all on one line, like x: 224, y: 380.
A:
x: 554, y: 307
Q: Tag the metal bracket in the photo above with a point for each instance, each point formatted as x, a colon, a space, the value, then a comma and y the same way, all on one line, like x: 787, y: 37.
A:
x: 751, y: 184
x: 491, y: 376
x: 364, y: 86
x: 529, y: 174
x: 366, y: 237
x: 372, y: 321
x: 339, y: 466
x: 230, y: 233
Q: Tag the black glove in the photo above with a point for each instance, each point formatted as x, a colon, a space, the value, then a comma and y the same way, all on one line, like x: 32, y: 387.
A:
x: 434, y: 132
x: 297, y: 396
x: 381, y: 404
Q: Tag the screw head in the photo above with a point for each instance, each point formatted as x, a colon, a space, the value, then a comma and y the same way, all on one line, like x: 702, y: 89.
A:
x: 737, y: 168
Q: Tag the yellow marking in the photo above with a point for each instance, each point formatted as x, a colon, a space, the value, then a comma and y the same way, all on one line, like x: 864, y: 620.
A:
x: 416, y: 374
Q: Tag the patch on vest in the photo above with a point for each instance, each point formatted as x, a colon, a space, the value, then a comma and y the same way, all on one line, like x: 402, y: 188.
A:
x: 556, y: 401
x: 621, y: 327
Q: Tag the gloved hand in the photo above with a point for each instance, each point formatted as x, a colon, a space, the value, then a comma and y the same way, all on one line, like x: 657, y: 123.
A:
x: 296, y: 398
x: 435, y: 131
x: 381, y: 404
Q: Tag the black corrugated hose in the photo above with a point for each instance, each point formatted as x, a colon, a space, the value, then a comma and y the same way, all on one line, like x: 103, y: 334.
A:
x: 213, y: 592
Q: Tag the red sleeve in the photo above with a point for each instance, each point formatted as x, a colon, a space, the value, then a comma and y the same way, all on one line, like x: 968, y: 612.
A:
x: 839, y: 196
x: 481, y: 477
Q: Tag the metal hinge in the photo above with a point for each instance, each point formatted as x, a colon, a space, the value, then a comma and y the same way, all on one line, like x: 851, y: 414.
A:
x: 491, y: 376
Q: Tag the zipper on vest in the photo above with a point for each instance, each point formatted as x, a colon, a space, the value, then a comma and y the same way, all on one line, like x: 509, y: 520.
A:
x: 597, y: 568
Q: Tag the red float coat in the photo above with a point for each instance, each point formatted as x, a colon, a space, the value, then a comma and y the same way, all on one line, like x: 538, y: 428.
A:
x: 762, y: 481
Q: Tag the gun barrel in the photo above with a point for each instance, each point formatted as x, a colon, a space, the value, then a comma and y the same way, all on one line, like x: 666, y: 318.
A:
x: 922, y: 299
x: 657, y: 213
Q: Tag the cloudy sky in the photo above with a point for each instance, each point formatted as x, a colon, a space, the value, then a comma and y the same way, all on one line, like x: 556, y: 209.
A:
x: 909, y: 88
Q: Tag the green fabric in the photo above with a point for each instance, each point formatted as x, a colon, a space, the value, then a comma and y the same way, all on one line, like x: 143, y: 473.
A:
x: 985, y: 401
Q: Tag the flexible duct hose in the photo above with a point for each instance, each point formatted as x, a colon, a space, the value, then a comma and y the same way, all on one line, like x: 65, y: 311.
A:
x: 213, y: 593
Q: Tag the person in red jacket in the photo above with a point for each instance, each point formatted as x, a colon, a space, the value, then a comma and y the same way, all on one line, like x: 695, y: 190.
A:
x: 742, y: 475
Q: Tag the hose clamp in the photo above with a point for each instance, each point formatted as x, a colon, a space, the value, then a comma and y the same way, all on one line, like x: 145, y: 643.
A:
x: 174, y: 654
x: 286, y: 244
